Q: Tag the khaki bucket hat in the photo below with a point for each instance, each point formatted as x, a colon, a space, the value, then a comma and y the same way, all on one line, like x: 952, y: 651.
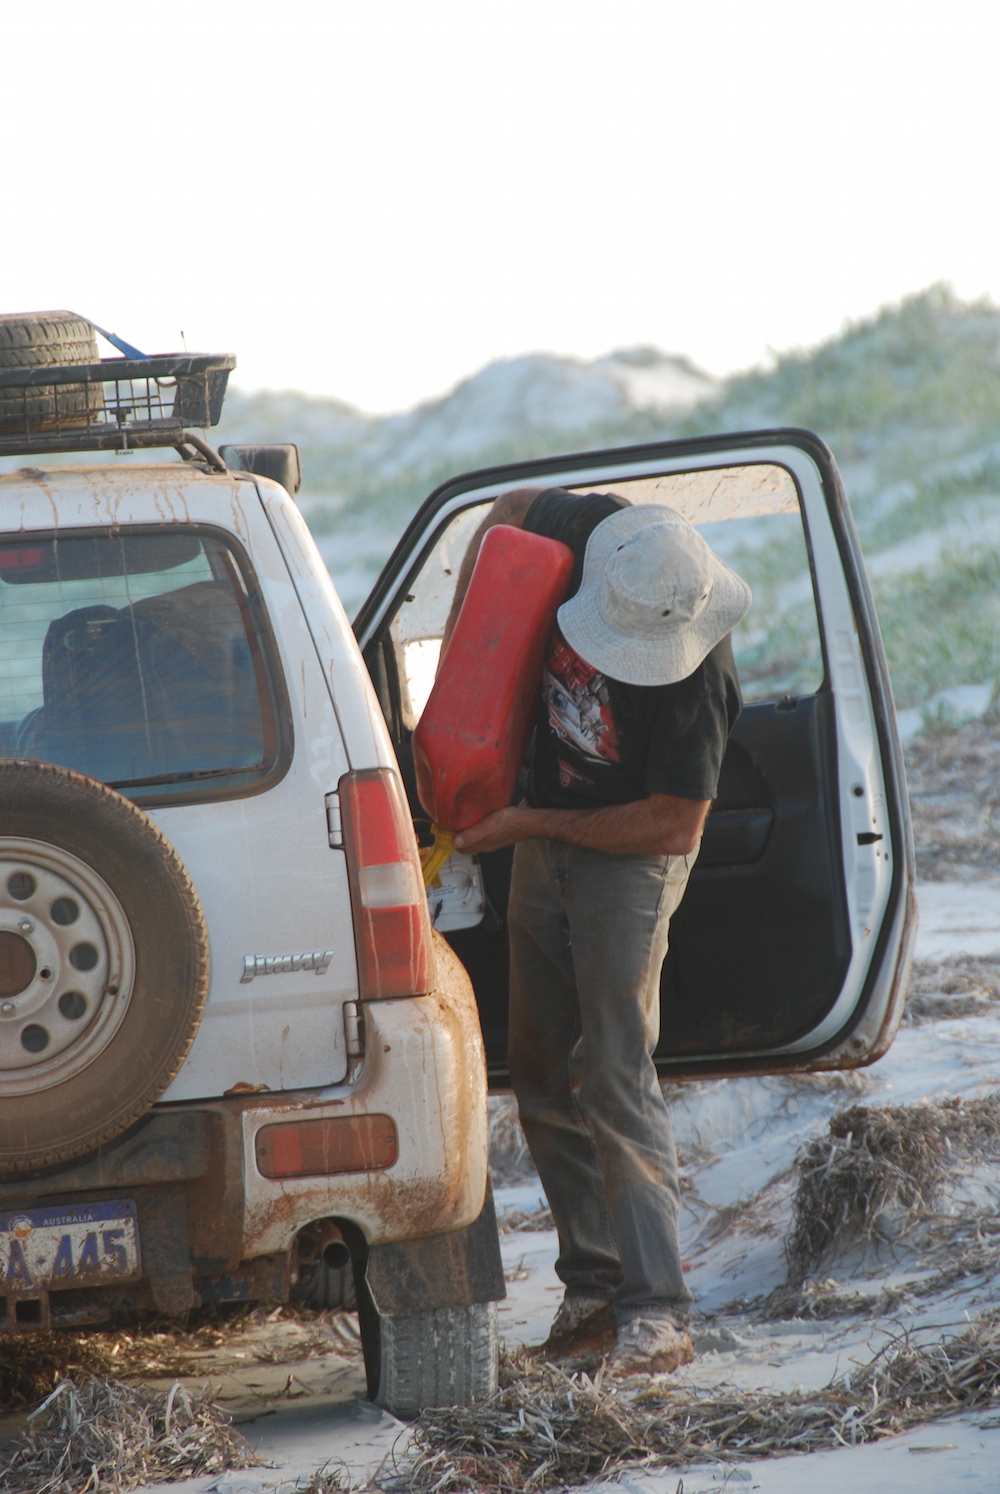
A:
x: 654, y: 599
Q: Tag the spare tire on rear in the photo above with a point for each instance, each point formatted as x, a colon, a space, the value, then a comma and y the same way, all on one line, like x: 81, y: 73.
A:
x: 44, y: 339
x: 103, y: 964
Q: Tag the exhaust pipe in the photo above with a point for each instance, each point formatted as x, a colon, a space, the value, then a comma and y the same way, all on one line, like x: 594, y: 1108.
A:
x: 332, y: 1246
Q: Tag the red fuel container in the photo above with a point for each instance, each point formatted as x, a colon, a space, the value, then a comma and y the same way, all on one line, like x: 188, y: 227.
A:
x: 469, y: 743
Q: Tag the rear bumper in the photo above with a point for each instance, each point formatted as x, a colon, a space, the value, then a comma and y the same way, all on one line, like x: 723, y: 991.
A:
x: 425, y: 1069
x: 206, y: 1214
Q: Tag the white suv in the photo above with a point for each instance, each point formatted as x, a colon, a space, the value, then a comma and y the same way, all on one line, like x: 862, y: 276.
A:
x: 231, y: 1045
x: 234, y: 1054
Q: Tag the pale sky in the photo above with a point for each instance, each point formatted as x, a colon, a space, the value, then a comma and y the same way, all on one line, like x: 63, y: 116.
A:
x: 374, y: 199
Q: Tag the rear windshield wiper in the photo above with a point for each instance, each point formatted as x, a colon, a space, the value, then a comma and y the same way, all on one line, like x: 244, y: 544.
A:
x: 191, y: 776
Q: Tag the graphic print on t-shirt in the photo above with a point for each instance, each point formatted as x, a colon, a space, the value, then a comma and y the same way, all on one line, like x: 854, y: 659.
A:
x: 579, y: 707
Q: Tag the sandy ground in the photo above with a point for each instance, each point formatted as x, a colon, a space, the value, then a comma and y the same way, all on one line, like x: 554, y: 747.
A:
x: 738, y: 1140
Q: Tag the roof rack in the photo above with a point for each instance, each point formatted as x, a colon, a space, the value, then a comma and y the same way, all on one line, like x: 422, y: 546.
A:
x: 118, y: 404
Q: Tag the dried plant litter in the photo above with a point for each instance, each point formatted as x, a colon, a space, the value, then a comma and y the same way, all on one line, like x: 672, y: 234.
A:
x: 878, y: 1168
x: 100, y: 1435
x: 549, y: 1429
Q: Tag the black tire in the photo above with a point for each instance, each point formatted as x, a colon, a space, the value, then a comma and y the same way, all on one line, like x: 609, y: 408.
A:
x: 444, y: 1357
x: 40, y: 340
x: 321, y: 1287
x: 68, y: 842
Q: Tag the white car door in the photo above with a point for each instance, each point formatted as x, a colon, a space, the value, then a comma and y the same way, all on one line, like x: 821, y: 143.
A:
x: 791, y: 947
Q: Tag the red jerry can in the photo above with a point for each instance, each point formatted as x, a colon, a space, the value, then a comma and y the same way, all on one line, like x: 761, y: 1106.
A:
x: 470, y: 740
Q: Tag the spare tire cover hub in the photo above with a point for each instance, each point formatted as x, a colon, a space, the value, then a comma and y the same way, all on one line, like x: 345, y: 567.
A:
x: 60, y: 917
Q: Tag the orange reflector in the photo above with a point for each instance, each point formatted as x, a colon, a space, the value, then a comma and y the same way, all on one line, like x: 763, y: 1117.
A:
x: 312, y: 1148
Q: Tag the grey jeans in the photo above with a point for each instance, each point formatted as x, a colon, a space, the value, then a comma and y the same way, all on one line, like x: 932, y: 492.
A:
x: 588, y: 936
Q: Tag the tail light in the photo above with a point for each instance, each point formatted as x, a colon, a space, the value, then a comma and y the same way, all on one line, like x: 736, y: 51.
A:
x: 392, y: 930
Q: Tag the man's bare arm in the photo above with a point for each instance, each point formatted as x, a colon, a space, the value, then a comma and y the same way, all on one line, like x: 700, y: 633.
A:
x: 661, y: 825
x: 510, y: 508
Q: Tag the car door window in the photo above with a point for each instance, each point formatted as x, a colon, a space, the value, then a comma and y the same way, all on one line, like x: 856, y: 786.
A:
x: 750, y: 515
x: 417, y: 627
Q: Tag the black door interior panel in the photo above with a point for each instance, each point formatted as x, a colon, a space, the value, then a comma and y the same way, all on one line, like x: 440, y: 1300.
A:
x: 735, y: 837
x: 760, y: 945
x: 761, y: 942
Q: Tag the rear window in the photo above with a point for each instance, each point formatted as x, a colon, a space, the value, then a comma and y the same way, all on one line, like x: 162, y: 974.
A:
x: 137, y: 658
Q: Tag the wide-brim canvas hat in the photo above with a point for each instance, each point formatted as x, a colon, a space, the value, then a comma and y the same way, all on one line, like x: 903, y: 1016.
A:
x: 654, y: 599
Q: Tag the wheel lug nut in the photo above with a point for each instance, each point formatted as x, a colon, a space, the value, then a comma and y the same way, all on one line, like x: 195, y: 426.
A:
x: 26, y: 926
x: 7, y: 1008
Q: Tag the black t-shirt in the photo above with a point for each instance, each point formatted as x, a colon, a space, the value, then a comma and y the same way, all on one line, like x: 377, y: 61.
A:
x: 599, y: 741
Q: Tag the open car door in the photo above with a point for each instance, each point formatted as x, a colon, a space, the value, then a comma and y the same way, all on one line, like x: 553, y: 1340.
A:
x: 792, y: 945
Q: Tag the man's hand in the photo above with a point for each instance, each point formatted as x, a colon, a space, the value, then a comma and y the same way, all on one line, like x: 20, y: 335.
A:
x: 661, y: 825
x: 503, y: 828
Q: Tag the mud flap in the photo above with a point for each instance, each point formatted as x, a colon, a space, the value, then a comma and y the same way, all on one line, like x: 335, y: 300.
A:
x: 457, y: 1269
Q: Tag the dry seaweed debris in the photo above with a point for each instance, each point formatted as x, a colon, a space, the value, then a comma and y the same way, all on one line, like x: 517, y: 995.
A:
x: 326, y: 1480
x: 823, y: 1300
x: 32, y: 1364
x: 953, y: 780
x: 877, y: 1169
x: 963, y: 986
x: 509, y: 1220
x: 103, y: 1435
x: 510, y: 1160
x: 547, y: 1429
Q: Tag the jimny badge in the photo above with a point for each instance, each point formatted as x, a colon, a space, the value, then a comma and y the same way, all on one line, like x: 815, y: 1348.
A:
x: 286, y: 964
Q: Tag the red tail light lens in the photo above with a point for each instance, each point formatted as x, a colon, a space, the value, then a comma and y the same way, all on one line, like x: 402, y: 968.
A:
x: 392, y: 929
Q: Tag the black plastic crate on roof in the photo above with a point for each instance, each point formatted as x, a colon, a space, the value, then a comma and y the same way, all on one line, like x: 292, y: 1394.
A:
x: 112, y: 405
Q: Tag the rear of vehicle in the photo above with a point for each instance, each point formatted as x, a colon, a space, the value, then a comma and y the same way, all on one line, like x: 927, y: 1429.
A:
x: 233, y: 1054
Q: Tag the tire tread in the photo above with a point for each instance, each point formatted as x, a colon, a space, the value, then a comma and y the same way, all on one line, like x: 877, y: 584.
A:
x: 45, y: 337
x: 444, y: 1357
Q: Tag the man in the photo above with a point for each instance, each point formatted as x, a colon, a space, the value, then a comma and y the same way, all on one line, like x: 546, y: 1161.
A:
x: 639, y: 693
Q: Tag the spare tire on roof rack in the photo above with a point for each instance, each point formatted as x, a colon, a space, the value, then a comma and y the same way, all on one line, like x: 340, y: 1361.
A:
x: 44, y: 339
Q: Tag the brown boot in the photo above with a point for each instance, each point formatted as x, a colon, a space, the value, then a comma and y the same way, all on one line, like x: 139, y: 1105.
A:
x: 651, y: 1346
x: 582, y: 1325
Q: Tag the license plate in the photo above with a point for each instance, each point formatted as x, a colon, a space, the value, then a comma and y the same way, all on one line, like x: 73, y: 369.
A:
x: 72, y: 1245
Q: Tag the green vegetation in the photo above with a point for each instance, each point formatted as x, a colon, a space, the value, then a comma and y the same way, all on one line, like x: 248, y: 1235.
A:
x: 909, y: 400
x: 917, y: 380
x: 941, y: 626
